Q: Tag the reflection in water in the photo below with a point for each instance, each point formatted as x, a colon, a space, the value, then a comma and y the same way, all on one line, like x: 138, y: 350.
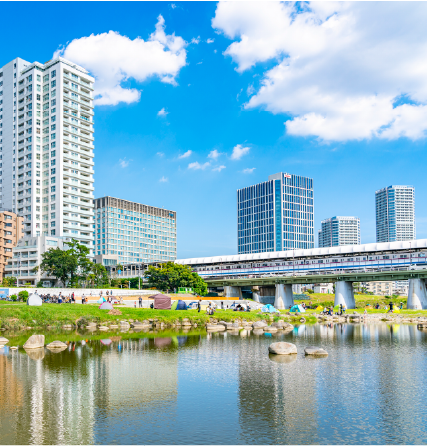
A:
x: 220, y: 388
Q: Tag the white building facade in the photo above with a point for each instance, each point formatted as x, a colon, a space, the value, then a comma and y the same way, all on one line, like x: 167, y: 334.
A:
x: 27, y: 254
x: 339, y: 231
x: 395, y: 213
x: 46, y: 147
x: 276, y: 215
x: 129, y: 232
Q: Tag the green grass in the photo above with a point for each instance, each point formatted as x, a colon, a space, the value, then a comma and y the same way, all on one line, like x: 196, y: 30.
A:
x: 16, y: 315
x: 361, y: 300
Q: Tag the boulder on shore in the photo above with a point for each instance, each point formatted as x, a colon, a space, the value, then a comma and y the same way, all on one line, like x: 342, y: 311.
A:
x: 315, y: 351
x: 34, y: 341
x: 282, y: 348
x: 3, y: 340
x: 259, y: 324
x: 270, y: 329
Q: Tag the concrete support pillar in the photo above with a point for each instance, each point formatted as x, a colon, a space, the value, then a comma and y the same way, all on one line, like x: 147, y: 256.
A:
x: 255, y: 296
x: 284, y: 297
x: 344, y: 294
x: 417, y: 294
x: 233, y: 291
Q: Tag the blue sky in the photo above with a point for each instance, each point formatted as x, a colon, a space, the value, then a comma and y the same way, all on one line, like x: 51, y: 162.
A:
x: 324, y: 91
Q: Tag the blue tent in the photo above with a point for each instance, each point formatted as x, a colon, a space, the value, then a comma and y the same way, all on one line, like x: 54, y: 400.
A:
x: 181, y: 305
x: 298, y: 308
x: 269, y: 309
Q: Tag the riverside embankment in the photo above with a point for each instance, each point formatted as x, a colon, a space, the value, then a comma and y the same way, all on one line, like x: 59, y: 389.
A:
x: 19, y: 316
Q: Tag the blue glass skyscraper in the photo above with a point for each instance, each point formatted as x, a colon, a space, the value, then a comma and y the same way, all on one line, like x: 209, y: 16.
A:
x: 276, y: 215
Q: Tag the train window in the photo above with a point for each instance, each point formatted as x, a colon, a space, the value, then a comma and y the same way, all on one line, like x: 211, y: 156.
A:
x: 350, y: 260
x: 404, y: 256
x: 421, y: 254
x: 320, y: 261
x: 386, y: 257
x: 370, y: 258
x: 335, y: 261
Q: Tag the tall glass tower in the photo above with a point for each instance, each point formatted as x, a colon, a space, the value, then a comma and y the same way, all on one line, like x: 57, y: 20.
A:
x: 276, y: 215
x: 395, y: 213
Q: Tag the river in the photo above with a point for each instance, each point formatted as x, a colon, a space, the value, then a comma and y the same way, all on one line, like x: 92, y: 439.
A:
x: 198, y: 388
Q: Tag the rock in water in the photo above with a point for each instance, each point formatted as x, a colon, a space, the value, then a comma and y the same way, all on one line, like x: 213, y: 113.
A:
x: 215, y: 327
x: 315, y: 351
x: 3, y: 340
x: 35, y: 353
x: 56, y: 344
x: 283, y: 359
x: 283, y: 348
x: 34, y: 341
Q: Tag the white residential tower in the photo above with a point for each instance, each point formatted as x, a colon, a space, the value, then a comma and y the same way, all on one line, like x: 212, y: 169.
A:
x: 339, y: 231
x: 46, y: 147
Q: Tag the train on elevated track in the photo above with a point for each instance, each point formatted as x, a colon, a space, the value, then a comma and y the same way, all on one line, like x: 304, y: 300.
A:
x: 393, y: 256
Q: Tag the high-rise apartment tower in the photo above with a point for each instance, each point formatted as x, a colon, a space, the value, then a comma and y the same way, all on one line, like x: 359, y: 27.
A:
x: 339, y: 231
x: 395, y: 213
x: 276, y: 215
x: 46, y: 147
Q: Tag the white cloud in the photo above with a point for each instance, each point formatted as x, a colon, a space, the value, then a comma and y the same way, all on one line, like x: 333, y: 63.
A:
x: 239, y: 151
x: 214, y: 154
x: 195, y: 41
x: 161, y: 154
x: 340, y: 67
x: 198, y: 166
x: 218, y: 169
x: 186, y: 154
x: 248, y: 170
x: 163, y: 180
x: 173, y: 6
x: 162, y: 112
x: 124, y: 162
x: 113, y: 59
x: 210, y: 41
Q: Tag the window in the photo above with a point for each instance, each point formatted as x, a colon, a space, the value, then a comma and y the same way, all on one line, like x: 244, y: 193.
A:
x: 52, y: 172
x: 53, y: 84
x: 52, y: 188
x: 53, y: 73
x: 52, y: 162
x: 53, y: 153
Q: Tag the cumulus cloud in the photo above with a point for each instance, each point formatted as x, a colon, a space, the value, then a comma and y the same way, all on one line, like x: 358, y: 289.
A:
x: 186, y: 154
x: 210, y: 41
x: 218, y: 169
x: 340, y: 68
x: 195, y: 40
x: 124, y: 162
x: 198, y: 166
x: 214, y: 154
x: 239, y: 151
x: 113, y: 59
x: 161, y: 154
x: 163, y: 180
x: 248, y: 170
x: 162, y: 112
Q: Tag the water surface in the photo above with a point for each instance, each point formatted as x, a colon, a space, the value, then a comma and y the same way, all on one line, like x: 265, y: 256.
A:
x: 220, y: 389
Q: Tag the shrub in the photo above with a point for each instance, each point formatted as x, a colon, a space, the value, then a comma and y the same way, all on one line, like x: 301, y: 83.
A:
x: 23, y: 295
x: 14, y: 297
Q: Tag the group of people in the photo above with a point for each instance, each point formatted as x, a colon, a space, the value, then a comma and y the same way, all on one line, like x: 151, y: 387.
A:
x: 330, y: 310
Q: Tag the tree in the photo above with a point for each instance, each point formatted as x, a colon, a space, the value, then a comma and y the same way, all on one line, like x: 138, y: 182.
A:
x: 170, y: 276
x: 99, y: 274
x: 66, y: 265
x: 23, y: 295
x: 9, y: 281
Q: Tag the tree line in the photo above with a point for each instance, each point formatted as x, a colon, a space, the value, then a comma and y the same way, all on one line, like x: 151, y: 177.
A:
x: 73, y: 268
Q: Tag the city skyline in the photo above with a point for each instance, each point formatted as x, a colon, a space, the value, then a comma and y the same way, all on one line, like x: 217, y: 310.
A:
x: 200, y: 119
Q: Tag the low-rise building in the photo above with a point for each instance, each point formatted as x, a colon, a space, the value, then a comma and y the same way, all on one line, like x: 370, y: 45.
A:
x: 12, y: 229
x: 27, y: 255
x: 383, y: 288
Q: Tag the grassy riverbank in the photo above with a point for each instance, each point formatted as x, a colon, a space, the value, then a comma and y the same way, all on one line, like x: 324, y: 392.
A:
x: 19, y: 315
x: 361, y: 300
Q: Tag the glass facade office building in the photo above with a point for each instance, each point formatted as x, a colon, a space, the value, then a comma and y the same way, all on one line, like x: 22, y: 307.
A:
x: 134, y: 232
x: 395, y: 213
x: 276, y: 215
x: 339, y: 231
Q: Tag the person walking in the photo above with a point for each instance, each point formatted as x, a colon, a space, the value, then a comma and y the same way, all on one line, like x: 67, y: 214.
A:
x: 199, y: 305
x: 140, y: 302
x: 134, y: 304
